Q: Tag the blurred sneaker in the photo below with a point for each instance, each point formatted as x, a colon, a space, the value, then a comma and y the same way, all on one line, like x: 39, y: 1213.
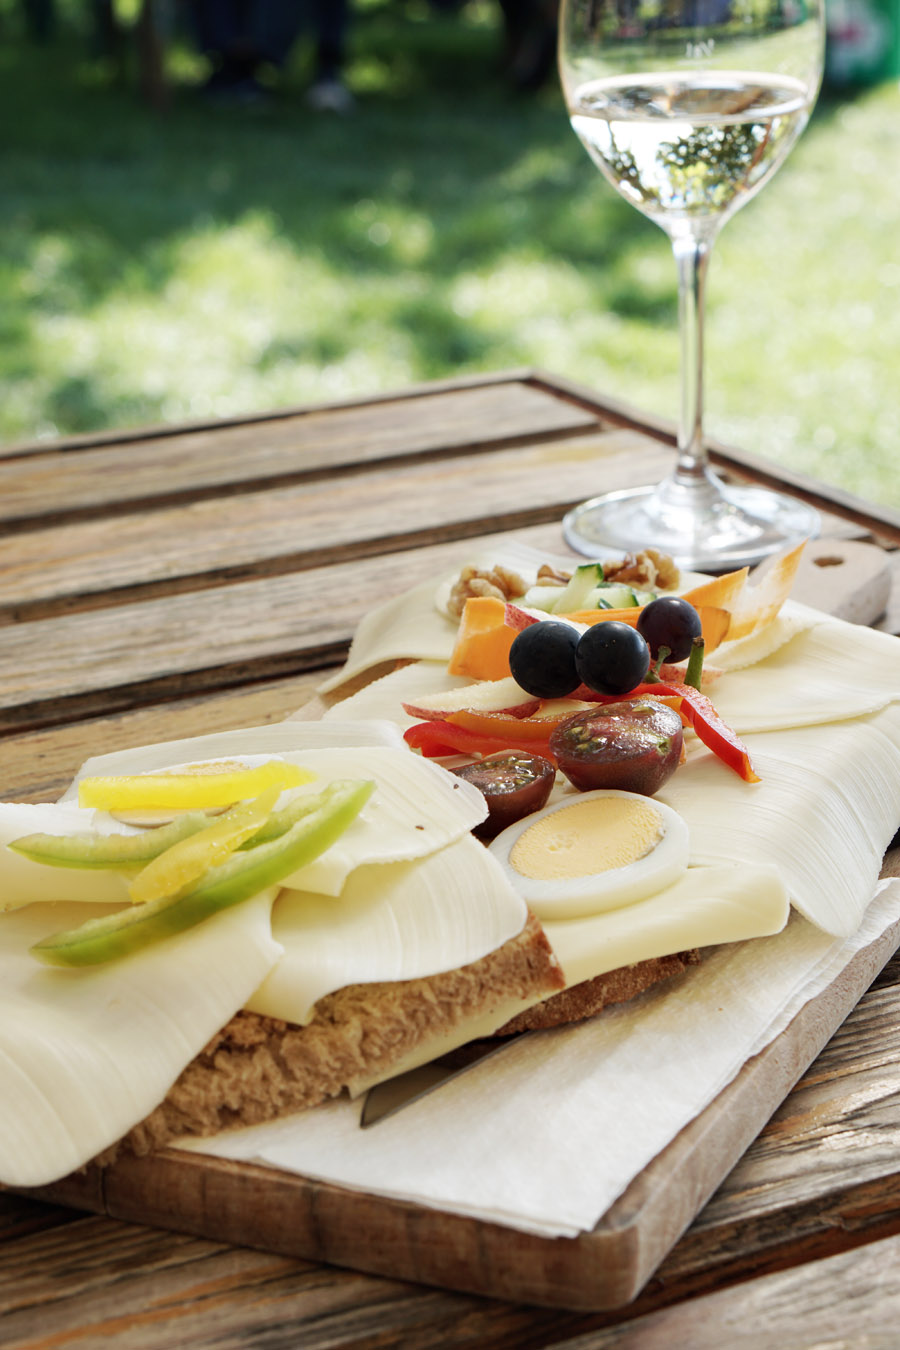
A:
x: 330, y: 95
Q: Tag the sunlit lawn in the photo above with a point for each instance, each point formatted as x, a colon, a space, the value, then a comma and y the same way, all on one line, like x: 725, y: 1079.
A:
x: 216, y: 261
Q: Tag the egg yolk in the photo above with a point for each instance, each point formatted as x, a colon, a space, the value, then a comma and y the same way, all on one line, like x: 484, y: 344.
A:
x: 587, y: 837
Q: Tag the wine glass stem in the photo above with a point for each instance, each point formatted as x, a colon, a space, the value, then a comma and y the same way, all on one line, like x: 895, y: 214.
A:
x: 692, y: 259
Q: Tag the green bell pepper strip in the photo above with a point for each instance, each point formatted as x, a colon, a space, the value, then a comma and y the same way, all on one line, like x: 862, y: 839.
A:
x: 242, y: 876
x: 124, y: 852
x: 109, y: 851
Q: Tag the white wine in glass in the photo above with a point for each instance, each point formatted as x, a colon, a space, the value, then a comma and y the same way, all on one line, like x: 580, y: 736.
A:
x: 688, y: 107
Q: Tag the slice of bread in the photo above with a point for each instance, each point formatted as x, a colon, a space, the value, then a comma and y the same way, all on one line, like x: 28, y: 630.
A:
x: 258, y: 1068
x: 584, y: 1000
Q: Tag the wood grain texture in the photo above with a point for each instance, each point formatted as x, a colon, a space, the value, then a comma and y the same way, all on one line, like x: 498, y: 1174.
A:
x: 58, y: 481
x: 38, y: 766
x: 296, y: 527
x: 850, y: 1301
x: 83, y: 664
x: 136, y: 608
x: 732, y: 462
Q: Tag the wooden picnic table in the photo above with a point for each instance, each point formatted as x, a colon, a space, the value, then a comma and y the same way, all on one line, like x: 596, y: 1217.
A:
x: 178, y: 580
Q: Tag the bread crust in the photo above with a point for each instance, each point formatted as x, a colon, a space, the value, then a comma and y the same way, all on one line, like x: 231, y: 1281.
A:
x: 584, y: 1000
x: 258, y: 1068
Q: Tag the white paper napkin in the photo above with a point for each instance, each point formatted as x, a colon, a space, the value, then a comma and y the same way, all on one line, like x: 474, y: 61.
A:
x: 544, y: 1136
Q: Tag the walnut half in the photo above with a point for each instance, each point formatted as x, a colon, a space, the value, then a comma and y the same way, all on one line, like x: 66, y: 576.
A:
x: 648, y: 569
x: 500, y: 582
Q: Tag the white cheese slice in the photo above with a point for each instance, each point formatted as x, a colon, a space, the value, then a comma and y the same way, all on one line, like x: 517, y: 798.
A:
x: 756, y: 646
x: 824, y: 812
x: 828, y: 673
x: 417, y: 806
x: 393, y: 921
x: 706, y: 907
x: 22, y: 881
x: 384, y: 698
x: 409, y: 626
x: 87, y: 1054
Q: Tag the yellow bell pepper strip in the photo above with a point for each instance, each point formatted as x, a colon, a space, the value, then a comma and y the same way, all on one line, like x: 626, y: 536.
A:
x: 698, y: 712
x: 187, y: 860
x: 208, y: 786
x: 242, y: 876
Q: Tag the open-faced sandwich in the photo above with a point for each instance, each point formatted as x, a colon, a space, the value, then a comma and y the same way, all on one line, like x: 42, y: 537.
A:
x: 568, y: 783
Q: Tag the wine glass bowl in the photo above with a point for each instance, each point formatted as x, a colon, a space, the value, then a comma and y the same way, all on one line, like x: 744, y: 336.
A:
x: 688, y: 107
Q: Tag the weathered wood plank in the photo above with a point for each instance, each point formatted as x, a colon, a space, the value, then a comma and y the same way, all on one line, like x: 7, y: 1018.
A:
x: 851, y: 1299
x: 108, y: 659
x: 109, y: 1282
x: 80, y: 664
x: 38, y: 766
x: 291, y: 528
x: 52, y: 481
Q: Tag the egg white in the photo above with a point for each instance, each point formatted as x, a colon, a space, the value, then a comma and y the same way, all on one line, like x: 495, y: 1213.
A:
x: 597, y: 892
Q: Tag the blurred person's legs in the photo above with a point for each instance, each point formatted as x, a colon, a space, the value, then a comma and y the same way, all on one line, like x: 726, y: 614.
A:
x: 530, y: 40
x: 330, y: 20
x: 239, y: 37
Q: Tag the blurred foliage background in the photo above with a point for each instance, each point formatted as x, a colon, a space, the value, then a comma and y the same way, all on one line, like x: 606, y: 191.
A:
x: 207, y: 261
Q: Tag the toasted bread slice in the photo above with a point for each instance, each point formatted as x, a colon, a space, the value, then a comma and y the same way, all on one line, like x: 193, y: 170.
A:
x: 580, y: 1001
x: 258, y: 1068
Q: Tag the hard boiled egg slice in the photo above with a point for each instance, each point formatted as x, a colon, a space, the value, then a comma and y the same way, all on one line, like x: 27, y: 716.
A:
x: 593, y: 852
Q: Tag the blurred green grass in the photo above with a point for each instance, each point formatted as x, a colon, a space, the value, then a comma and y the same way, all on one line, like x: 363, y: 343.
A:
x: 208, y: 262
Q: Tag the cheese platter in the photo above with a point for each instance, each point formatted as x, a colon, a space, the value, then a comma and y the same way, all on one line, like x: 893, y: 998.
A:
x: 785, y: 693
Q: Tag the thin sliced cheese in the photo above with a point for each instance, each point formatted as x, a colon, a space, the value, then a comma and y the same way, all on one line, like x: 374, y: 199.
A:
x: 384, y: 698
x: 22, y: 881
x: 756, y: 646
x: 417, y: 624
x: 409, y: 626
x: 416, y: 808
x: 86, y: 1055
x: 705, y: 907
x: 823, y: 813
x: 828, y: 673
x: 758, y: 603
x: 393, y: 921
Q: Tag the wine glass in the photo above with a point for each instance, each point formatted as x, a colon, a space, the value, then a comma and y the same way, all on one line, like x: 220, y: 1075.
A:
x: 688, y: 107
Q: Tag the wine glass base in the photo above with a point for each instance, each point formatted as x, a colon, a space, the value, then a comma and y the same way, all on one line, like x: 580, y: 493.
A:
x: 728, y: 527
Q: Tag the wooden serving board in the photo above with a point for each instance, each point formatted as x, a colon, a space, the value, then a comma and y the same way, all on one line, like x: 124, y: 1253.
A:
x: 253, y: 1206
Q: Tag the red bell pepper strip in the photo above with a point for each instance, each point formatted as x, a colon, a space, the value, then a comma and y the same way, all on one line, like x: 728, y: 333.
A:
x: 507, y: 725
x: 697, y: 710
x: 435, y: 739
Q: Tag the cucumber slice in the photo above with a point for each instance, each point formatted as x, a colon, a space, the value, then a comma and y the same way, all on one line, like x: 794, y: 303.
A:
x: 541, y: 597
x: 613, y: 595
x: 585, y: 578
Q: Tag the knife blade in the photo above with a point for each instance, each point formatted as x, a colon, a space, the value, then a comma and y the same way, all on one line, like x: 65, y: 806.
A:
x: 387, y: 1098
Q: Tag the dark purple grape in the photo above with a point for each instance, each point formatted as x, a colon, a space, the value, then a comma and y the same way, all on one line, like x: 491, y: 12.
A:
x: 669, y: 622
x: 542, y: 659
x: 612, y: 658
